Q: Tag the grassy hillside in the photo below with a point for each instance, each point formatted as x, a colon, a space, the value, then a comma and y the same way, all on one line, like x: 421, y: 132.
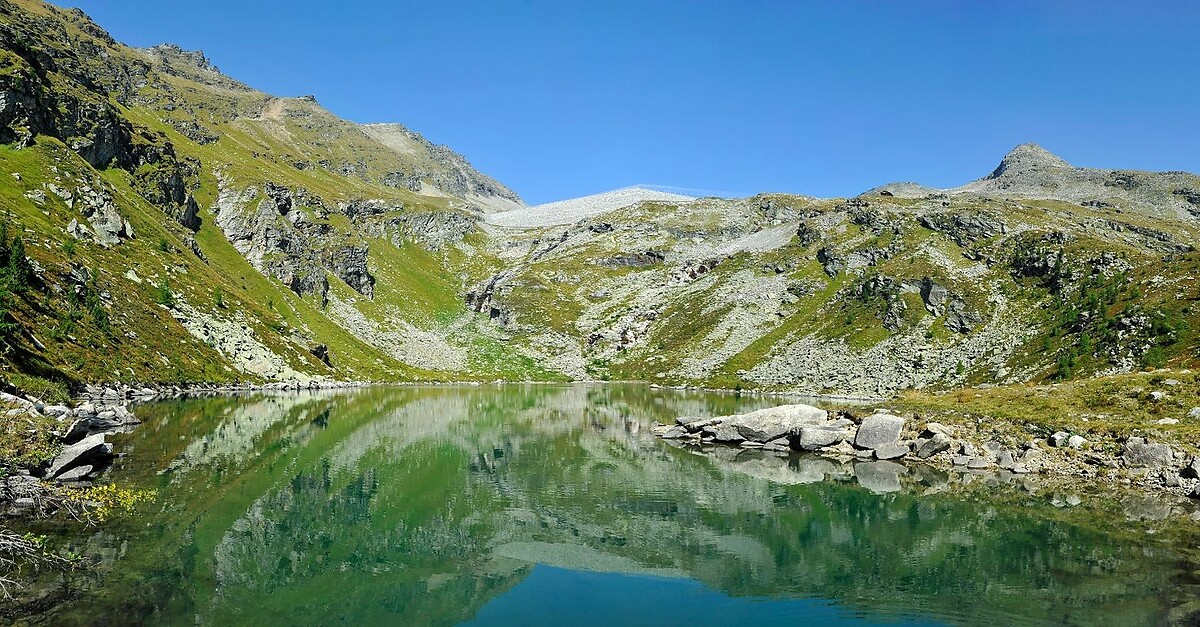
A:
x: 106, y: 310
x: 869, y: 295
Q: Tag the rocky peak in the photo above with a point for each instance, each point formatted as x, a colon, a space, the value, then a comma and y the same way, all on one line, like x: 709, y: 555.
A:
x: 1027, y: 158
x: 426, y: 165
x: 171, y: 52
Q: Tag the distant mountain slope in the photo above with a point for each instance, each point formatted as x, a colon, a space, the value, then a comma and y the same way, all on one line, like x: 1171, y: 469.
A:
x: 1030, y: 171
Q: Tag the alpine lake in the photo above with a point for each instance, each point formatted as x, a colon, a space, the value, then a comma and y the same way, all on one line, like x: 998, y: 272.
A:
x: 556, y: 505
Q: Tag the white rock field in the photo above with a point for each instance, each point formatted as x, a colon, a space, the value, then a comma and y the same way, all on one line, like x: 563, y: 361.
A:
x: 575, y: 209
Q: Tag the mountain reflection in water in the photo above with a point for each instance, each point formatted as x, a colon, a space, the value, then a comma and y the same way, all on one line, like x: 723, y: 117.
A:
x: 556, y: 505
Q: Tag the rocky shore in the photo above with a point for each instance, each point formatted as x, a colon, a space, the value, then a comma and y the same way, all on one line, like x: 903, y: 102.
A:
x: 884, y: 436
x: 82, y: 430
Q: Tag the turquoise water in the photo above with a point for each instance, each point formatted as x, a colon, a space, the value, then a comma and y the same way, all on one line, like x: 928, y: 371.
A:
x: 560, y: 596
x: 555, y: 505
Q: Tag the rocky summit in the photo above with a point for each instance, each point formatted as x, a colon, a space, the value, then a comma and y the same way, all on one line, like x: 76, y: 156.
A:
x: 169, y: 223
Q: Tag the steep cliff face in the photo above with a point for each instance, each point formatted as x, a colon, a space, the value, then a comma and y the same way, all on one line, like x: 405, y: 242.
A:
x: 182, y: 225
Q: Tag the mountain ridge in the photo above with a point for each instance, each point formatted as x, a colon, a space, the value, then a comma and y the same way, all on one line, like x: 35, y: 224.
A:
x: 1030, y: 171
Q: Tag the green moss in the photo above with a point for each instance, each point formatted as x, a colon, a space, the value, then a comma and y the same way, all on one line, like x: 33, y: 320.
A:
x: 1118, y: 405
x: 26, y: 441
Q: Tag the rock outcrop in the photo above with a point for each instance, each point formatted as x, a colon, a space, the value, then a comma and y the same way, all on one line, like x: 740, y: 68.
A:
x: 279, y: 236
x: 441, y: 169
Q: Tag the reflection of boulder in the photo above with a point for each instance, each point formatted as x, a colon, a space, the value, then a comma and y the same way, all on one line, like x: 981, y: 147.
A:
x: 879, y: 477
x: 771, y: 468
x: 811, y: 469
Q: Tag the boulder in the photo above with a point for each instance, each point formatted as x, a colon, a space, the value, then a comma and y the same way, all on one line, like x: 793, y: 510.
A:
x: 813, y: 438
x: 675, y: 432
x: 1194, y: 414
x: 56, y: 410
x: 772, y: 423
x: 92, y: 450
x: 934, y: 295
x: 698, y: 423
x: 877, y: 430
x: 78, y: 473
x: 1076, y: 441
x: 1139, y: 453
x: 110, y: 228
x: 1059, y: 439
x: 106, y: 421
x: 725, y: 432
x: 782, y: 444
x: 928, y: 447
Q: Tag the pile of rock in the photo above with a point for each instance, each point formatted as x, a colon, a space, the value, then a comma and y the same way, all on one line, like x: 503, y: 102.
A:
x: 1160, y: 465
x: 774, y: 428
x: 84, y: 430
x: 882, y: 436
x: 878, y: 436
x: 806, y: 428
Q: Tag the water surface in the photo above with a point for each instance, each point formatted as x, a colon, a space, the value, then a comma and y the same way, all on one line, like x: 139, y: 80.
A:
x: 548, y: 505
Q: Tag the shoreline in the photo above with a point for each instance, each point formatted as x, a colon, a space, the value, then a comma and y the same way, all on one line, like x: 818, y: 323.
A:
x: 1001, y: 449
x: 103, y: 409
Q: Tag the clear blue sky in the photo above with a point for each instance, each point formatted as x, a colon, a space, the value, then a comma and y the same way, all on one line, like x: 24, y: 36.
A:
x: 563, y: 98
